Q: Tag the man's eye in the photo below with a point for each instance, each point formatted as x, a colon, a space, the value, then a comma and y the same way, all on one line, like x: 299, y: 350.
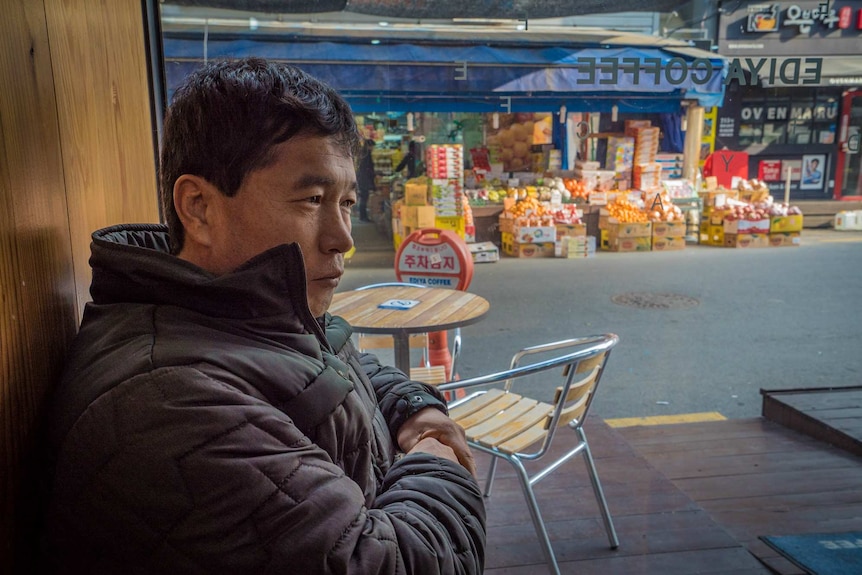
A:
x: 315, y: 199
x: 348, y: 203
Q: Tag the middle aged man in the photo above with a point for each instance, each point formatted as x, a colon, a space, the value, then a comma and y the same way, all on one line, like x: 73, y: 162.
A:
x: 213, y: 417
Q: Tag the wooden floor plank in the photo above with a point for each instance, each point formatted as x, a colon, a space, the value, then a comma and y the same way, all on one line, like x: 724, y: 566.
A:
x: 712, y: 435
x: 711, y: 562
x: 653, y: 518
x: 518, y: 544
x: 764, y: 480
x: 681, y: 433
x: 838, y: 412
x: 705, y: 464
x: 821, y: 399
x: 770, y: 483
x: 688, y: 498
x: 832, y: 415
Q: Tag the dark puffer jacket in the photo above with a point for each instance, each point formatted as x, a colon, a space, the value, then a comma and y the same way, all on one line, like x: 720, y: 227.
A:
x: 212, y: 425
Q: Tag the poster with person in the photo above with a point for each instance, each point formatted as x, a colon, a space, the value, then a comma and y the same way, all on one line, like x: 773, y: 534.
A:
x: 813, y: 168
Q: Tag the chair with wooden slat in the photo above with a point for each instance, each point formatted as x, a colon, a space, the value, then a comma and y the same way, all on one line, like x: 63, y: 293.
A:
x: 517, y: 428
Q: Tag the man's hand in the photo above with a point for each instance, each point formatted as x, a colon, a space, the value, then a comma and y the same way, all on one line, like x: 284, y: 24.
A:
x: 433, y: 423
x: 433, y: 447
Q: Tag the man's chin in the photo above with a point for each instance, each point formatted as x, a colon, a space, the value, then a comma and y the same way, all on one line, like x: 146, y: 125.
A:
x: 318, y: 303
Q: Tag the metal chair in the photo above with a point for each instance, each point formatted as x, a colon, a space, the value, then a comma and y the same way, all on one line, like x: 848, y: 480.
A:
x: 504, y: 424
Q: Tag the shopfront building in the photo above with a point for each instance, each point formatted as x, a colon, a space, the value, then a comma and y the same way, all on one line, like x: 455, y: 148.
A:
x: 422, y: 70
x: 791, y: 103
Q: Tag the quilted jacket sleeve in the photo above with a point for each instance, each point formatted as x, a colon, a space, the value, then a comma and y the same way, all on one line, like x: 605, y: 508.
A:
x: 214, y: 481
x: 397, y: 395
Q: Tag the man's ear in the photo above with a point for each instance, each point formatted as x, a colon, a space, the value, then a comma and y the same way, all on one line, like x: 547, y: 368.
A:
x: 192, y: 197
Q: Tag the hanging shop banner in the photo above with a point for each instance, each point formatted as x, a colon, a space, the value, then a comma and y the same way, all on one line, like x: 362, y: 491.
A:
x: 477, y: 77
x: 434, y: 258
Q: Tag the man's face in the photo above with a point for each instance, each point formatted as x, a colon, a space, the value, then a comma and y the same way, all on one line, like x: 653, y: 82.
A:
x: 304, y: 195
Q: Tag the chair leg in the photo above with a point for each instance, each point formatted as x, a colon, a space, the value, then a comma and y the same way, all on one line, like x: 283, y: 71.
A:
x: 538, y: 523
x: 490, y: 479
x: 599, y: 492
x: 456, y: 353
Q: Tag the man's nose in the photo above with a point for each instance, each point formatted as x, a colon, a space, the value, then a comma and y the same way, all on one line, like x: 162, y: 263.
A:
x: 335, y: 233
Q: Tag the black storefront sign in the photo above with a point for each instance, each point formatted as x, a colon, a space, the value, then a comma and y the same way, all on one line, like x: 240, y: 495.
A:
x: 802, y: 28
x: 778, y: 44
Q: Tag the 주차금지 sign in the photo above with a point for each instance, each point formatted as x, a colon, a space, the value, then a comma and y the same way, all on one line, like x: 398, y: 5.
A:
x: 434, y: 258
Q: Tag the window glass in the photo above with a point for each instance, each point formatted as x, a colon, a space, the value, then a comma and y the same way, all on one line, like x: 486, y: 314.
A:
x: 801, y: 119
x: 825, y: 119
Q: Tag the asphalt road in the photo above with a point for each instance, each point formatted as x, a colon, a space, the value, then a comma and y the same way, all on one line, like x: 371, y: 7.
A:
x: 772, y: 318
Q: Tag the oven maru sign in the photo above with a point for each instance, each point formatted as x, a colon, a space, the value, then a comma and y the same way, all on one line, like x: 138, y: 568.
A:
x: 781, y: 113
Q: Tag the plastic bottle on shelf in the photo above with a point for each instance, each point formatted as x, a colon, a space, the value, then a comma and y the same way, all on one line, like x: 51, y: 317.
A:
x: 556, y: 199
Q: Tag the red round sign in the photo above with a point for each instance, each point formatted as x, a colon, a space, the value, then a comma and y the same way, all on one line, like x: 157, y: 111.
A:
x: 434, y: 258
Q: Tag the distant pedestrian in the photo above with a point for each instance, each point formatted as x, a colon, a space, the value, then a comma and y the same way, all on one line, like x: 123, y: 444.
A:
x: 408, y: 161
x: 365, y: 179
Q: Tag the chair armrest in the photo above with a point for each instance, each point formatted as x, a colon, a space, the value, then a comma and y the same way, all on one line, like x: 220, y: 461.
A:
x: 557, y: 345
x: 594, y: 345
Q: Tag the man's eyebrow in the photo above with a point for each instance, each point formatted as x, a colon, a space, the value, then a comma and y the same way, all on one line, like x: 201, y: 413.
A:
x: 315, y: 181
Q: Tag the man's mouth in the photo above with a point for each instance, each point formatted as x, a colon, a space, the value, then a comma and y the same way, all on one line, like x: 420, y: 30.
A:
x: 332, y: 278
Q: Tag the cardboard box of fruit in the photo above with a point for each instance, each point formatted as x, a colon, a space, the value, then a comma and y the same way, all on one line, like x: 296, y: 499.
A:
x: 746, y: 240
x: 785, y: 239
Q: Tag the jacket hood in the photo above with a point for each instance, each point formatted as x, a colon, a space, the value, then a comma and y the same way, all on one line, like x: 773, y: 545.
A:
x: 132, y: 263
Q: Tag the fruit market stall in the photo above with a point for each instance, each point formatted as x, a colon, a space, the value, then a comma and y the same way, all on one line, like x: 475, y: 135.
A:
x: 628, y: 200
x: 748, y: 217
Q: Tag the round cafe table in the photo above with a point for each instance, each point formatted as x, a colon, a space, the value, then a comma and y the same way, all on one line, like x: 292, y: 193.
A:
x: 437, y: 310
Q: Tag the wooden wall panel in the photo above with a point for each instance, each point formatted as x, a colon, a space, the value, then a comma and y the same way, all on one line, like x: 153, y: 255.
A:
x: 37, y: 288
x: 76, y: 154
x: 106, y: 130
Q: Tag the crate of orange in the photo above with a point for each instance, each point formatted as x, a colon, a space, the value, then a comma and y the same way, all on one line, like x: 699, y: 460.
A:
x: 576, y: 188
x: 626, y: 220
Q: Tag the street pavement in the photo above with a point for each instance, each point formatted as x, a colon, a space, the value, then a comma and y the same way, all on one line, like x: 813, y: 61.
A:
x: 771, y: 318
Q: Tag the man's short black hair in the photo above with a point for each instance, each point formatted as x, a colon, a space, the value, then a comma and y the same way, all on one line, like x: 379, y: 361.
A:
x: 227, y: 117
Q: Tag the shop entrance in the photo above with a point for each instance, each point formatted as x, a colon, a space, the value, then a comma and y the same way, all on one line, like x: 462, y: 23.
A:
x: 848, y: 170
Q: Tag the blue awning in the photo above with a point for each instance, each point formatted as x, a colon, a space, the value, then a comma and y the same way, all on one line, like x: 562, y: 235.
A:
x: 399, y: 76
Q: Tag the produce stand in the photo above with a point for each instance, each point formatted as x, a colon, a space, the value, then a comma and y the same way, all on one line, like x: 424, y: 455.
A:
x: 748, y: 217
x: 628, y: 198
x: 526, y: 226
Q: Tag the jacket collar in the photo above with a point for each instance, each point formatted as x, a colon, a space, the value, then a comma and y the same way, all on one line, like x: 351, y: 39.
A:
x: 132, y: 264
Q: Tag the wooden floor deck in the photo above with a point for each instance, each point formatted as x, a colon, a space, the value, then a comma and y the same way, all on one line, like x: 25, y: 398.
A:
x: 832, y: 414
x: 687, y: 498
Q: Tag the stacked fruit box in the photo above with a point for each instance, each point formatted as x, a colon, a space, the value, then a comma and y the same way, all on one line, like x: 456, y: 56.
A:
x: 667, y: 236
x: 785, y: 228
x: 445, y: 166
